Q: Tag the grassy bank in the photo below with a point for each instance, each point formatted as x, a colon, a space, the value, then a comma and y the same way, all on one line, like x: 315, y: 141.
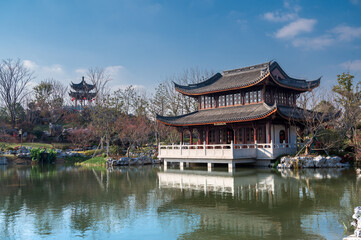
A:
x: 6, y: 145
x: 95, y: 161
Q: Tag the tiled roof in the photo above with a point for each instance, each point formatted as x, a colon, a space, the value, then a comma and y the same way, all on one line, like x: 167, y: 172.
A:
x: 299, y: 114
x: 82, y: 86
x: 244, y: 77
x: 221, y: 115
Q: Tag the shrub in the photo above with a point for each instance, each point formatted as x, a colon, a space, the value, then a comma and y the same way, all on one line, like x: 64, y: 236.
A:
x: 116, y: 150
x: 42, y: 155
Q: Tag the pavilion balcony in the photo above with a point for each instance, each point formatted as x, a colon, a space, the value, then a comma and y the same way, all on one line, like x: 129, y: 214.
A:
x: 264, y: 151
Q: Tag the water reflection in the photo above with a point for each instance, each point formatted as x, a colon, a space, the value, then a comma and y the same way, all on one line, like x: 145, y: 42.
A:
x: 253, y: 203
x: 148, y: 203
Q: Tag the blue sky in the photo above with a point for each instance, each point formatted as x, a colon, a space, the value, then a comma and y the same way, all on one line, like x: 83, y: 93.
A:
x: 141, y: 42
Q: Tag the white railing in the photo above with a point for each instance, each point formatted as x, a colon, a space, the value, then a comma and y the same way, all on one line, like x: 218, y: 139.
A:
x: 227, y: 151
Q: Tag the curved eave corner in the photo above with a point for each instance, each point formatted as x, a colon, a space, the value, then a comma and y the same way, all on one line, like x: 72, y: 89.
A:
x: 309, y: 84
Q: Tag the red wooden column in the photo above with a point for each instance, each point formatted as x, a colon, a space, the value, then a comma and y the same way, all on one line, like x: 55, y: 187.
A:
x: 200, y: 135
x: 181, y: 132
x: 244, y: 135
x: 207, y: 135
x: 255, y: 133
x: 234, y: 135
x: 191, y: 136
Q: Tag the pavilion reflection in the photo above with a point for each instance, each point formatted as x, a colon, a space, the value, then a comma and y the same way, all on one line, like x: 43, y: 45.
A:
x: 241, y: 183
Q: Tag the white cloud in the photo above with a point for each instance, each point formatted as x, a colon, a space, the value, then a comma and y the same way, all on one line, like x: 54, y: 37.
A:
x: 296, y: 27
x: 30, y: 65
x: 289, y: 13
x: 313, y: 43
x: 114, y: 71
x: 356, y: 2
x: 353, y: 66
x: 81, y: 71
x: 278, y: 16
x: 56, y: 68
x: 347, y: 33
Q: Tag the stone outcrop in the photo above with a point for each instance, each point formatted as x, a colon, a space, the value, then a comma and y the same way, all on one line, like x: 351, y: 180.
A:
x: 311, y: 162
x: 357, y: 221
x: 356, y: 224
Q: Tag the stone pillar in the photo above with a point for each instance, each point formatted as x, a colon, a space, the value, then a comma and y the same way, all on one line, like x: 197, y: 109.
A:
x: 181, y: 166
x: 165, y: 163
x: 231, y: 167
x: 210, y: 166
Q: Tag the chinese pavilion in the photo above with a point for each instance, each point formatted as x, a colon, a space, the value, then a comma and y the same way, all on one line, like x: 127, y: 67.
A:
x: 244, y: 115
x: 83, y: 92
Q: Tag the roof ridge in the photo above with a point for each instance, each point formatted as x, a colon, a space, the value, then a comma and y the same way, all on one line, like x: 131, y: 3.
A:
x: 246, y: 69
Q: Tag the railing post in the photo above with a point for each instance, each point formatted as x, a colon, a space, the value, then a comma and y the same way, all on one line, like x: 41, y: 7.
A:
x: 272, y: 147
x: 181, y: 148
x: 232, y: 148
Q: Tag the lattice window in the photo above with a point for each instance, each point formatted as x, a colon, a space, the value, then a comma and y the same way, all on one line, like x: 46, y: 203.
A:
x: 240, y: 135
x: 261, y: 134
x: 259, y: 93
x: 213, y: 102
x: 222, y: 101
x: 247, y: 97
x: 237, y: 99
x: 201, y: 103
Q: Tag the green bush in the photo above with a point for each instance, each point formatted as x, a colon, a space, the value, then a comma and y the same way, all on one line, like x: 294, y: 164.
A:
x: 116, y: 150
x: 42, y: 155
x: 73, y: 160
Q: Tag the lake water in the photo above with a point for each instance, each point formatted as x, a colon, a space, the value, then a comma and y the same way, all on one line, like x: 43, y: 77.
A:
x: 59, y: 202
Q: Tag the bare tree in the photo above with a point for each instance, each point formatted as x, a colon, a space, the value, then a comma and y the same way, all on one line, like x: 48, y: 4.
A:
x: 14, y: 77
x: 317, y: 115
x: 100, y: 78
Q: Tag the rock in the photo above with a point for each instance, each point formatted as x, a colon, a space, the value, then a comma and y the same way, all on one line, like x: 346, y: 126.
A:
x: 311, y: 162
x: 3, y: 161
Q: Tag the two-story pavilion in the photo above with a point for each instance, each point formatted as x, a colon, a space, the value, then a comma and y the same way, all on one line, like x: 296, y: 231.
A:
x: 244, y: 115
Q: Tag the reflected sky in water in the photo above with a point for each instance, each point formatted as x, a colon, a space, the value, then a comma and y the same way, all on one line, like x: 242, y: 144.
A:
x: 58, y: 202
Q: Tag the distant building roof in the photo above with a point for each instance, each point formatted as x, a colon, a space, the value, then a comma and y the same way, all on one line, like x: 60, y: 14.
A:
x: 247, y: 77
x: 82, y: 86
